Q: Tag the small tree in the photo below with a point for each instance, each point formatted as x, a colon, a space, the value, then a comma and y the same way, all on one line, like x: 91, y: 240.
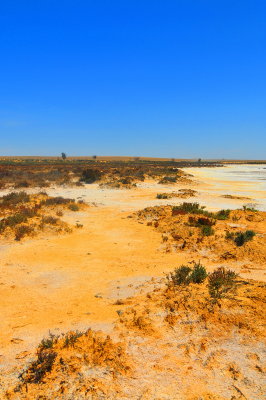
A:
x: 199, y: 160
x: 94, y: 157
x: 64, y: 156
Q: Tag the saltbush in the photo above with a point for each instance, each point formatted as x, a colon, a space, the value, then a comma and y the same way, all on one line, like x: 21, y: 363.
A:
x: 221, y: 281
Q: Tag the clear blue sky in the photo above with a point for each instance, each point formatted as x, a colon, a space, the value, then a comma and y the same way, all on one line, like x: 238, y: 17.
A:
x: 165, y: 78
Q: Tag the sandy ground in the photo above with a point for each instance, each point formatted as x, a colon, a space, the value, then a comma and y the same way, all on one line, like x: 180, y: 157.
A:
x: 71, y: 281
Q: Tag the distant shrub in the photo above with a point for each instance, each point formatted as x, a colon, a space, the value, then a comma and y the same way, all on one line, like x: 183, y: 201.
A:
x: 15, y: 219
x: 221, y: 281
x: 73, y: 207
x: 127, y: 180
x: 22, y: 184
x: 2, y: 226
x: 229, y: 235
x: 243, y: 237
x: 48, y: 219
x: 14, y: 198
x: 188, y: 208
x: 185, y: 275
x: 168, y: 179
x: 240, y: 238
x: 222, y: 214
x: 51, y: 201
x: 23, y: 230
x: 90, y: 175
x: 207, y: 230
x: 249, y: 207
x: 195, y: 208
x: 162, y: 196
x: 200, y: 221
x: 59, y: 213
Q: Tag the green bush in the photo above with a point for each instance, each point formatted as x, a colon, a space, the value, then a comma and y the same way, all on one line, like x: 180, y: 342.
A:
x: 57, y: 201
x: 90, y: 175
x: 221, y: 281
x: 185, y: 275
x: 189, y: 208
x: 195, y: 208
x: 22, y: 230
x: 162, y: 196
x: 168, y: 179
x: 243, y: 237
x: 71, y: 338
x: 250, y: 207
x: 207, y: 230
x: 73, y: 207
x: 222, y: 214
x: 48, y: 343
x: 15, y: 198
x: 48, y: 219
x: 240, y: 238
x: 15, y: 219
x: 198, y: 274
x: 39, y: 368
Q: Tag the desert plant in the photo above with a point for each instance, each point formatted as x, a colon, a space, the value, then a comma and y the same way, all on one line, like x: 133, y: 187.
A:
x: 184, y: 275
x: 207, y: 230
x: 49, y: 219
x: 14, y: 198
x: 23, y: 230
x: 57, y: 201
x: 90, y: 175
x: 15, y: 219
x: 229, y: 235
x: 198, y: 273
x: 39, y: 368
x: 168, y: 179
x: 243, y: 237
x: 162, y: 196
x: 221, y: 281
x: 73, y: 207
x: 71, y: 338
x: 222, y: 214
x: 250, y: 207
x: 48, y: 343
x: 180, y: 276
x: 188, y: 208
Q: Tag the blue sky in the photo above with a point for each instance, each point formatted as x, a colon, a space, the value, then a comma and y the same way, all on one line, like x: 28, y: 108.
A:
x: 154, y: 78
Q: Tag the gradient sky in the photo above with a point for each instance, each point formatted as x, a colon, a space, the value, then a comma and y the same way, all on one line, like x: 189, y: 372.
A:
x: 154, y: 78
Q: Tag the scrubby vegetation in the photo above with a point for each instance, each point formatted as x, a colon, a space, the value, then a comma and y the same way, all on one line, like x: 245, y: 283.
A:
x: 240, y: 238
x: 196, y: 208
x: 192, y: 228
x: 185, y: 275
x: 14, y: 198
x: 45, y: 172
x: 23, y: 215
x: 182, y: 193
x: 221, y: 281
x: 90, y: 175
